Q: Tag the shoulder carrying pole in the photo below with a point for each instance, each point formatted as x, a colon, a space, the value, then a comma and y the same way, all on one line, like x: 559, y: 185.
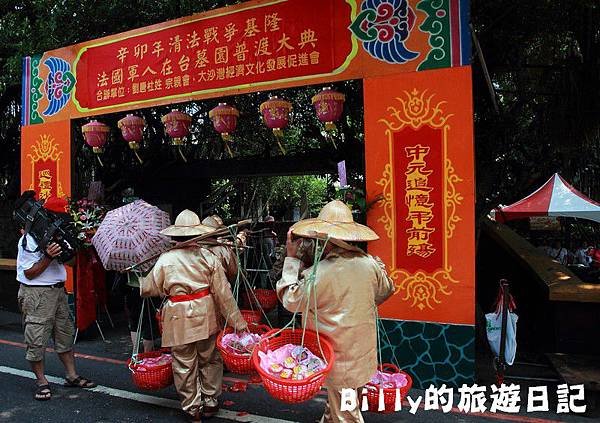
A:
x: 193, y: 241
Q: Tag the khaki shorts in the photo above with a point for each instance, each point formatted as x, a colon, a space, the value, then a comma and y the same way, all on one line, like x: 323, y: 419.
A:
x: 45, y: 314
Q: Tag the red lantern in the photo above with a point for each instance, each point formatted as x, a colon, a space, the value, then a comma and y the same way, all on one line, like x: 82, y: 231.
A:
x: 96, y: 135
x: 177, y: 126
x: 224, y: 119
x: 132, y: 129
x: 329, y: 105
x: 276, y: 115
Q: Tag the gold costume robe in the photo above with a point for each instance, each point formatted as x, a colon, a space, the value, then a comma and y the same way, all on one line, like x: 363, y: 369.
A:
x: 186, y: 271
x: 228, y: 259
x: 190, y: 327
x: 349, y: 284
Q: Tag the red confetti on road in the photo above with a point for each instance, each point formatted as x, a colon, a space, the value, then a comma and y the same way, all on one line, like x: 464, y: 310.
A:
x: 239, y: 387
x: 228, y: 403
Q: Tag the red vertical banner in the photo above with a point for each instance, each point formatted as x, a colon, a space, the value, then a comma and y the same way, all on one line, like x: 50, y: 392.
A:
x: 46, y: 163
x: 46, y: 159
x: 420, y: 162
x: 419, y: 208
x: 85, y: 298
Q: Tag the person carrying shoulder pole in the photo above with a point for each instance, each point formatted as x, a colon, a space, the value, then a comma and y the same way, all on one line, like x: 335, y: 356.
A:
x: 194, y: 282
x: 225, y: 253
x: 349, y: 285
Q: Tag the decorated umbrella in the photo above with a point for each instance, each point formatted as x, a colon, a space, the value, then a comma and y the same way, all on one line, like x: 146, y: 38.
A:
x: 130, y: 234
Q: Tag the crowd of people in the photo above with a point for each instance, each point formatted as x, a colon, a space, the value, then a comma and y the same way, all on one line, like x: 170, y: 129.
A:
x: 195, y: 284
x: 582, y: 254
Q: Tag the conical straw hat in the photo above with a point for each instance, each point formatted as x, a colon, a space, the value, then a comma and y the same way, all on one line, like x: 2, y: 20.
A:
x: 335, y: 220
x: 213, y: 221
x: 187, y: 223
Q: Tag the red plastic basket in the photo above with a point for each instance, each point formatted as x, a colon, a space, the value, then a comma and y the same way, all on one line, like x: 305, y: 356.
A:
x: 389, y: 394
x: 154, y: 378
x: 267, y: 299
x: 236, y: 362
x: 251, y: 316
x: 294, y: 391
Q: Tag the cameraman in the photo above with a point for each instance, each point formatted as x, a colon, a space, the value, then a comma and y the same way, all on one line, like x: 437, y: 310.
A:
x: 43, y: 303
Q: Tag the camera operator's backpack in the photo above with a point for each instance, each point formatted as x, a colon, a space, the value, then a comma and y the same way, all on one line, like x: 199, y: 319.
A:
x: 46, y: 227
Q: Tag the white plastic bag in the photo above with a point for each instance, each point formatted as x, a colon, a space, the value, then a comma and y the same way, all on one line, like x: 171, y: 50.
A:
x: 494, y: 329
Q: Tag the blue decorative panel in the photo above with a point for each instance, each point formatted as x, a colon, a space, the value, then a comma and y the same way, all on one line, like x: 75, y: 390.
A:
x: 432, y: 353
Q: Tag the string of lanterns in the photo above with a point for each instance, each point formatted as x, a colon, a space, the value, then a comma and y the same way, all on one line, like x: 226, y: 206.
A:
x: 275, y: 112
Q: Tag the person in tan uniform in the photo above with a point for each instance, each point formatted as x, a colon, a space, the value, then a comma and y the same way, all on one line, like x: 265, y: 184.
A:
x: 193, y: 280
x: 226, y: 254
x: 349, y: 285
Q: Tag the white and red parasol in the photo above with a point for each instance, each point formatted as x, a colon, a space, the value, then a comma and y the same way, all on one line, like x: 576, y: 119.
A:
x: 555, y: 198
x: 130, y: 235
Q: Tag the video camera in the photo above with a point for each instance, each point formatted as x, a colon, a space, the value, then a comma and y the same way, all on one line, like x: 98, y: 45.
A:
x: 46, y: 227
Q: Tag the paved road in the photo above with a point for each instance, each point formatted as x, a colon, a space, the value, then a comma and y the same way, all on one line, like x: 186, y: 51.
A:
x: 117, y: 400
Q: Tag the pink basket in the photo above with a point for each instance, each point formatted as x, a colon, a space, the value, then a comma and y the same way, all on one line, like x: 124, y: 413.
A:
x: 236, y: 362
x: 294, y: 391
x: 155, y: 377
x: 389, y: 394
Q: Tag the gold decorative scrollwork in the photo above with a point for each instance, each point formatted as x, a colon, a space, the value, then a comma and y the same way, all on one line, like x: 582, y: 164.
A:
x: 46, y: 148
x: 453, y: 199
x: 416, y: 111
x: 423, y: 289
x: 386, y: 183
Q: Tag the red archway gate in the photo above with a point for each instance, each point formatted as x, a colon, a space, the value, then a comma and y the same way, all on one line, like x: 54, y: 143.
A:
x: 413, y: 56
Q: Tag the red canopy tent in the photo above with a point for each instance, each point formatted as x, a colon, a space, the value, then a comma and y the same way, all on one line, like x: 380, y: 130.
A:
x: 555, y: 198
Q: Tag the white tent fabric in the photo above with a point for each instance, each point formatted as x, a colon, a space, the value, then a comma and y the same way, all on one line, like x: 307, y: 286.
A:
x: 555, y: 198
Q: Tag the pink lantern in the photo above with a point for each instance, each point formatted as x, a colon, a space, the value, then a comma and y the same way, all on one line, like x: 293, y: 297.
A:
x: 96, y: 135
x: 329, y: 105
x: 224, y: 119
x: 132, y: 129
x: 276, y: 115
x: 177, y: 126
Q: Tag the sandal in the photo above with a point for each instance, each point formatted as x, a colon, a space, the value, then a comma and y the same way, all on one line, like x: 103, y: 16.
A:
x: 210, y: 411
x: 80, y: 382
x: 196, y: 417
x: 42, y: 393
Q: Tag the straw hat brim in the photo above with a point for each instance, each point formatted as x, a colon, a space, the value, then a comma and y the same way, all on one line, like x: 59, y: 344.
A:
x: 194, y: 230
x: 211, y: 223
x: 345, y: 231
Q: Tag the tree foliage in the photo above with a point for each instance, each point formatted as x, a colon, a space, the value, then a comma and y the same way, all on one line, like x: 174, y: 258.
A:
x: 544, y: 62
